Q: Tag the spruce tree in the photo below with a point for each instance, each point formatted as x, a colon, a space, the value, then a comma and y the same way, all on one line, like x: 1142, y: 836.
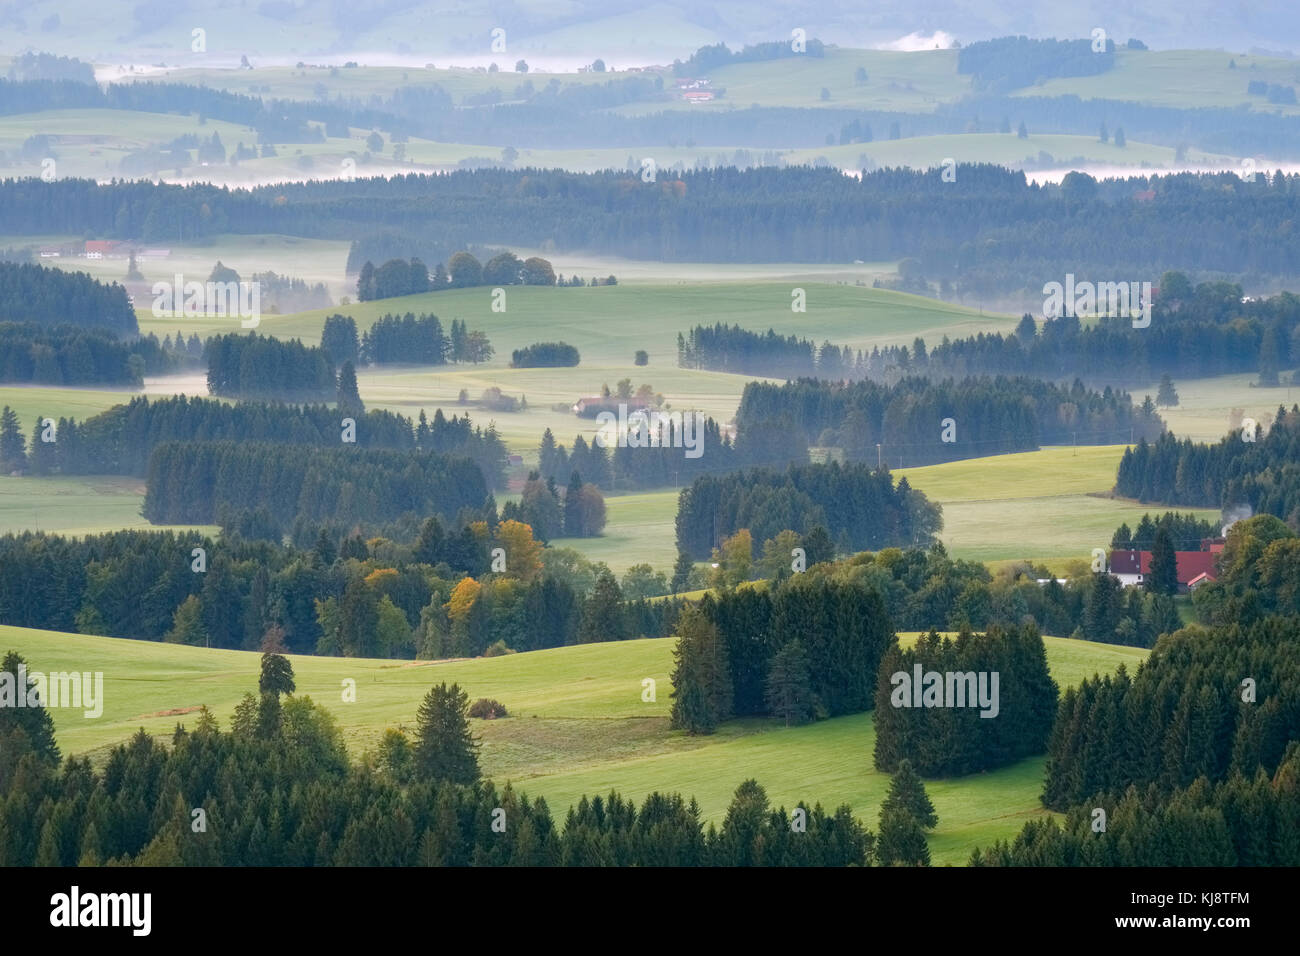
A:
x: 277, y: 675
x: 682, y: 572
x: 13, y: 456
x: 42, y: 458
x: 445, y: 750
x: 1162, y: 577
x: 573, y: 524
x: 907, y: 793
x: 901, y: 841
x: 349, y: 398
x: 32, y: 723
x: 788, y: 692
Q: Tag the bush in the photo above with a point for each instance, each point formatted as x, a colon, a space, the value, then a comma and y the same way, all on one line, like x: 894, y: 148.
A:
x: 642, y: 357
x: 485, y: 708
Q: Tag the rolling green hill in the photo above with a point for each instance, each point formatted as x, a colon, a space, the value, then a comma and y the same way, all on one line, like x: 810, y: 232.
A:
x: 577, y: 725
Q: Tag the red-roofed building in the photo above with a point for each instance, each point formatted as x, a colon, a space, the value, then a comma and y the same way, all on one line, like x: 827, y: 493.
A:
x: 1132, y: 567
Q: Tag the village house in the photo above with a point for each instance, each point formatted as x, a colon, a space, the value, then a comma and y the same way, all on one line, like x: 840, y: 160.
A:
x: 1132, y: 567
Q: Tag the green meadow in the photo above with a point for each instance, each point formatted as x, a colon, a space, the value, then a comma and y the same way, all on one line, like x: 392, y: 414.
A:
x: 578, y: 724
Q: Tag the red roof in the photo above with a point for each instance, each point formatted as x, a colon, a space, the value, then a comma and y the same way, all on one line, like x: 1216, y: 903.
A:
x: 1191, y: 564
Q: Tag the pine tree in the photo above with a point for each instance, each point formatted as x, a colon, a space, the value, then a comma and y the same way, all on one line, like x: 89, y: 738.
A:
x: 702, y: 684
x: 13, y: 456
x: 907, y: 793
x: 1166, y: 394
x: 682, y: 569
x: 32, y: 723
x: 573, y: 524
x: 602, y: 613
x: 445, y: 750
x: 901, y: 841
x: 277, y: 675
x: 349, y: 398
x: 1162, y: 577
x: 42, y: 458
x: 788, y: 692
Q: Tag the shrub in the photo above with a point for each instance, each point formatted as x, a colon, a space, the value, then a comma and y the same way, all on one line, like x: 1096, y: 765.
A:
x: 485, y: 708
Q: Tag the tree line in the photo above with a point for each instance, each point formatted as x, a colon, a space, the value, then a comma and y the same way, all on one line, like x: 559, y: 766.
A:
x: 440, y: 592
x: 463, y: 270
x: 918, y: 421
x: 121, y: 440
x: 805, y: 649
x: 866, y: 507
x: 262, y: 366
x: 1241, y: 821
x: 962, y: 722
x: 1248, y: 467
x: 997, y: 229
x: 426, y: 805
x: 401, y: 339
x: 191, y: 482
x: 33, y: 293
x: 545, y: 355
x: 1208, y: 702
x: 31, y: 352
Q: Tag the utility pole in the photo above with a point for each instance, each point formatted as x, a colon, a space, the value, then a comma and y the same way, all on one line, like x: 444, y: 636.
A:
x: 878, y: 464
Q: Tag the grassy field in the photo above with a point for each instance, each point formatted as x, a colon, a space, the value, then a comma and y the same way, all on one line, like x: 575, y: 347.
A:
x: 1050, y: 505
x: 74, y: 505
x: 1007, y: 149
x: 1184, y: 79
x: 1205, y: 404
x: 31, y: 402
x: 609, y: 323
x: 578, y: 724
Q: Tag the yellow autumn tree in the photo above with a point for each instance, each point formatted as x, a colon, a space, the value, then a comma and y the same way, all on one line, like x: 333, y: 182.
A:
x: 523, y: 551
x: 463, y: 596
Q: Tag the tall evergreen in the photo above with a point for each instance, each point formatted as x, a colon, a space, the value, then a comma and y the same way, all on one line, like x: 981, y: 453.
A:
x: 788, y: 692
x: 907, y: 793
x: 13, y: 456
x: 349, y: 398
x: 573, y: 525
x: 445, y: 750
x: 1163, y: 573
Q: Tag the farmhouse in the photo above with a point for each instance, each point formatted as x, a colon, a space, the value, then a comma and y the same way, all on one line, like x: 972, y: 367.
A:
x: 1132, y: 567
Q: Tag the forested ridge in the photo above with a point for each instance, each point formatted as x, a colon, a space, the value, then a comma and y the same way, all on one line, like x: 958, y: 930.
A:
x: 278, y: 789
x: 919, y: 421
x: 33, y: 293
x: 1251, y: 467
x: 997, y: 230
x: 192, y: 482
x: 1194, y: 332
x: 81, y: 355
x: 866, y: 507
x: 121, y: 440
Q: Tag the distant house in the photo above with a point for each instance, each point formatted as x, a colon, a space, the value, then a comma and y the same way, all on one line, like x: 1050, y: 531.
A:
x: 98, y: 248
x: 1197, y: 581
x: 515, y: 460
x: 1144, y: 195
x: 610, y: 402
x: 699, y: 96
x: 1132, y: 567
